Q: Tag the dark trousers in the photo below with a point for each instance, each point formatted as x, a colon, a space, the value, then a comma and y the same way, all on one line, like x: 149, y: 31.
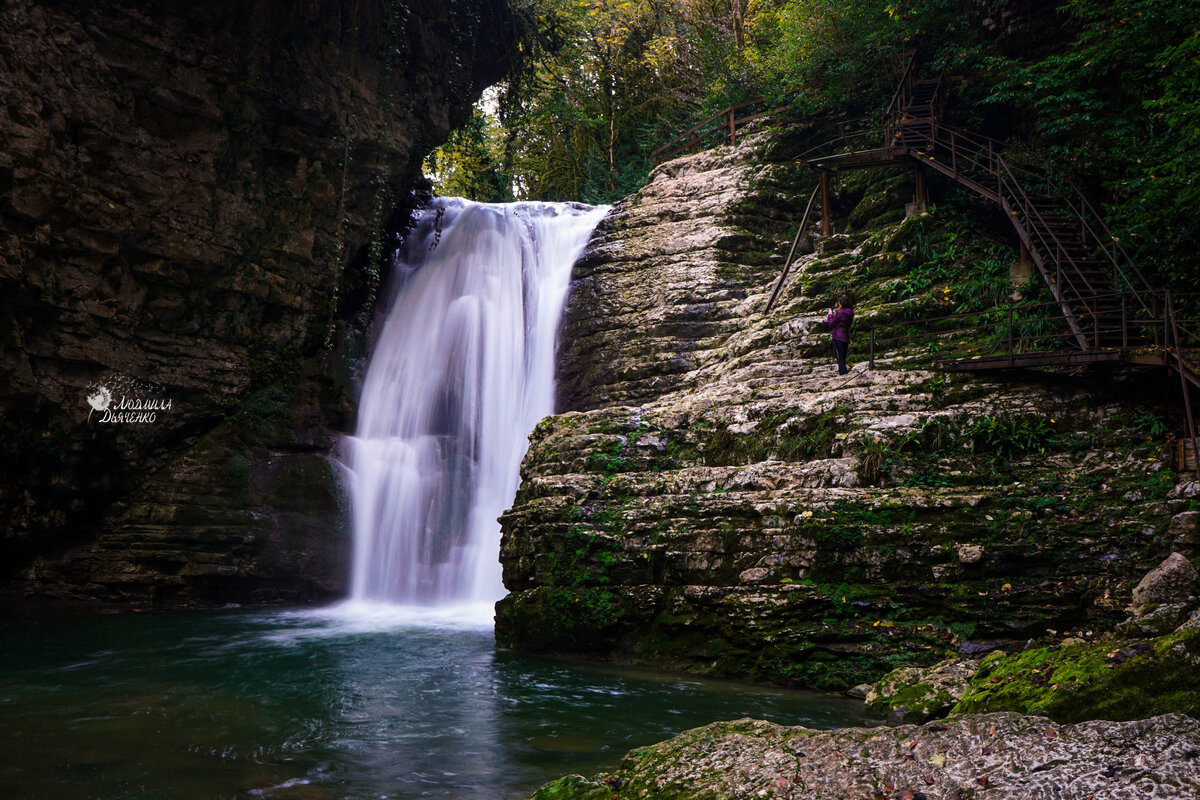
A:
x: 840, y: 349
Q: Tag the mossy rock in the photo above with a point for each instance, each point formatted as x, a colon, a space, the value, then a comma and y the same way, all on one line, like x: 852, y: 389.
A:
x: 572, y: 787
x: 1114, y: 680
x: 915, y: 694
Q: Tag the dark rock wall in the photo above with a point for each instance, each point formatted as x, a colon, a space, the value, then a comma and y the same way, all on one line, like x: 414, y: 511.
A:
x: 182, y: 187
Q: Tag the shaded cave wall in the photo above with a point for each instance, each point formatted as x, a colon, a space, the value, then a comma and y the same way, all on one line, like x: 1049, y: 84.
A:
x: 186, y: 191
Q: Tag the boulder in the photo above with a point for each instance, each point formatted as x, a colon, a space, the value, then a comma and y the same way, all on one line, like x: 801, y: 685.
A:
x: 916, y: 694
x: 1173, y: 580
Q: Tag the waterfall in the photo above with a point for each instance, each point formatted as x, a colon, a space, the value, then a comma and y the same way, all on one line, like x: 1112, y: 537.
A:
x: 462, y: 370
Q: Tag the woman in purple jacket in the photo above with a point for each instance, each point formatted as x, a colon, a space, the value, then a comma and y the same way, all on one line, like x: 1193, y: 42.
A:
x: 839, y: 322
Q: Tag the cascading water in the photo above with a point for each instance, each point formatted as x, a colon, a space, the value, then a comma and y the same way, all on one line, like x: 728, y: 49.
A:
x: 461, y: 372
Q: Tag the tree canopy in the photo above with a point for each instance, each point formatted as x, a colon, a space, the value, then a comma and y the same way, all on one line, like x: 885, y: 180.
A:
x: 1104, y: 91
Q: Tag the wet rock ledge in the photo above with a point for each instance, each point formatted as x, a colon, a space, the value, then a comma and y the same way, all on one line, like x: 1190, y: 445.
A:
x: 1002, y: 756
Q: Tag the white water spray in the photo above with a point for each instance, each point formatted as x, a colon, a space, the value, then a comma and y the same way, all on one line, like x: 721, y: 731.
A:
x: 461, y: 372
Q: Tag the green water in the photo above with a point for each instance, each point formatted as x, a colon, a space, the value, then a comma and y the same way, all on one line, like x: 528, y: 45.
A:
x: 294, y: 705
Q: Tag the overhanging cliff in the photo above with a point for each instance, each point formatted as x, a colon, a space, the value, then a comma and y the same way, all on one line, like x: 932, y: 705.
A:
x: 182, y: 189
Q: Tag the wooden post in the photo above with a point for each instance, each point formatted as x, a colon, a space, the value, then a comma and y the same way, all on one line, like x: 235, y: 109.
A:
x: 1173, y: 333
x: 920, y: 184
x: 1011, y: 350
x: 732, y: 126
x: 826, y: 228
x: 1124, y: 321
x: 1154, y: 314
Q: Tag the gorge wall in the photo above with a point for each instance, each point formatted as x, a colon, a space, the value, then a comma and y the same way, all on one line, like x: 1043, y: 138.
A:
x: 714, y: 497
x: 188, y: 192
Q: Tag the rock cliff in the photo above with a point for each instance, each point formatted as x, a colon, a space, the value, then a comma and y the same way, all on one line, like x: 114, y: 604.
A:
x: 183, y: 187
x: 714, y: 497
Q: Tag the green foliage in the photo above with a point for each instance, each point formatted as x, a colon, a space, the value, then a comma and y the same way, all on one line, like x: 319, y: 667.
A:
x: 877, y: 459
x: 1151, y: 424
x: 585, y: 113
x: 955, y: 268
x: 1116, y: 109
x: 1010, y: 436
x: 1002, y: 434
x: 1103, y: 93
x: 580, y: 618
x: 843, y: 536
x: 786, y: 436
x: 469, y: 164
x: 610, y: 459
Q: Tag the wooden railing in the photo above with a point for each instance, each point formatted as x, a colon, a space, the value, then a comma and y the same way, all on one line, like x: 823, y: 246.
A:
x: 721, y: 128
x: 894, y: 112
x: 1007, y: 334
x: 1103, y: 307
x: 1144, y: 327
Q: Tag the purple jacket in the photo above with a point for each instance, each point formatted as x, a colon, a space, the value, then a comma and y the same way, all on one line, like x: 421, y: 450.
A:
x: 839, y: 321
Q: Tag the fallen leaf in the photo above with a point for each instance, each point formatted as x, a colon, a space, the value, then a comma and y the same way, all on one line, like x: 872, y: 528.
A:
x: 928, y: 779
x: 938, y: 760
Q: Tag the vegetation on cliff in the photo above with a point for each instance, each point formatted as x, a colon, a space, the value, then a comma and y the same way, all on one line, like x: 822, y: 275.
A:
x: 1105, y: 92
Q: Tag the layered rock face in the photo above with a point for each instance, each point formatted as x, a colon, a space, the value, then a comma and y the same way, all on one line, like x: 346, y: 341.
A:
x: 182, y: 187
x: 716, y: 498
x: 1003, y: 756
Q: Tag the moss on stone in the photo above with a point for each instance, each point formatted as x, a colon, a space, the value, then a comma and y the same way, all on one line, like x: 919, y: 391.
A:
x: 572, y: 787
x: 1117, y: 680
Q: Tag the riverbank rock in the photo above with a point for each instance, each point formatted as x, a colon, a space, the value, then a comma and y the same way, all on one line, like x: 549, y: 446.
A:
x: 1115, y: 678
x: 995, y: 756
x: 917, y: 694
x: 715, y: 498
x: 1149, y: 665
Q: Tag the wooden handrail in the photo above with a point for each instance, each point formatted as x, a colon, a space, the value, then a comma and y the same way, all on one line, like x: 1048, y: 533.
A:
x: 1073, y: 249
x: 729, y: 122
x: 787, y: 264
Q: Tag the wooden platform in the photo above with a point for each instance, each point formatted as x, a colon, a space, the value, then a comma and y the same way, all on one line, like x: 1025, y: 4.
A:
x: 1142, y: 356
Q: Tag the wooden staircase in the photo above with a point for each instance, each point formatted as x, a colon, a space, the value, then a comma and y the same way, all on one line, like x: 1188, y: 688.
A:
x: 1109, y: 310
x: 1090, y: 276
